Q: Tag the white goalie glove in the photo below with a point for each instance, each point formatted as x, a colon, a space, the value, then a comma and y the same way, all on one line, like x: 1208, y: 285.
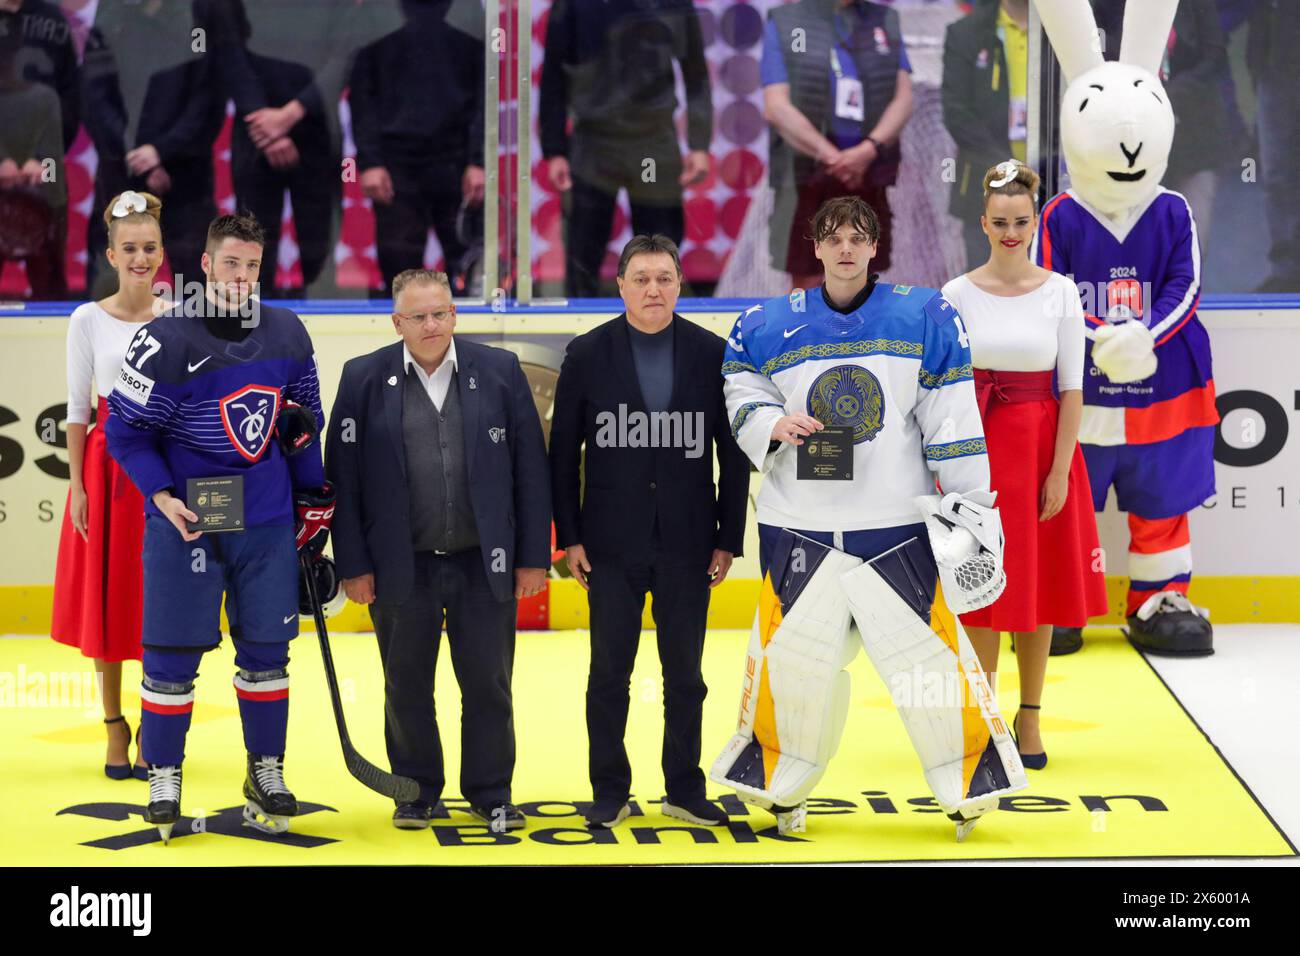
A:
x: 1124, y: 352
x: 966, y: 537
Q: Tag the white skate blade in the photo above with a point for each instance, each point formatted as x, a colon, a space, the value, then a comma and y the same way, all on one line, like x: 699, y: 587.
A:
x: 964, y: 828
x: 793, y: 821
x: 165, y: 831
x: 258, y: 819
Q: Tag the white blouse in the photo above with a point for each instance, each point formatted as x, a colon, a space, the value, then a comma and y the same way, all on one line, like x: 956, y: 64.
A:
x: 97, y: 344
x: 1034, y: 332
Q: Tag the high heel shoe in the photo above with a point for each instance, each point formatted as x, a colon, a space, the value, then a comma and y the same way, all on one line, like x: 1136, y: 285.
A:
x: 137, y: 771
x: 118, y: 771
x: 1031, y: 761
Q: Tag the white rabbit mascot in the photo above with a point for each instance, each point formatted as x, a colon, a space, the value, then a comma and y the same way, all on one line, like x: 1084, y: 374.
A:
x: 1149, y: 416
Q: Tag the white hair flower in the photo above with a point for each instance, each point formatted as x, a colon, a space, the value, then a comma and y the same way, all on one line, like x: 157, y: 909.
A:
x: 1006, y: 171
x: 128, y: 203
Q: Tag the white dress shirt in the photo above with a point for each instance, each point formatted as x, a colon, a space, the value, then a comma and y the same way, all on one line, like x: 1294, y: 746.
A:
x: 437, y: 383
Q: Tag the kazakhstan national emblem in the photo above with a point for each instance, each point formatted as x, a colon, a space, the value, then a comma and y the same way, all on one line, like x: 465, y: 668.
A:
x: 249, y: 417
x: 849, y: 395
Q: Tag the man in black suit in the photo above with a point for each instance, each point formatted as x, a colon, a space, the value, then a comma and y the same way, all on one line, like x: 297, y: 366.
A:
x: 644, y: 393
x: 436, y: 450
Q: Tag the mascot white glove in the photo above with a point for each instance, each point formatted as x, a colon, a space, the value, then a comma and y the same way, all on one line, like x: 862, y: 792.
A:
x: 966, y: 537
x: 1124, y: 352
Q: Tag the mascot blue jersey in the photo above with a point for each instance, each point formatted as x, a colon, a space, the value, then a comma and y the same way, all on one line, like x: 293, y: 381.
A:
x: 897, y: 370
x: 188, y: 404
x: 1150, y: 272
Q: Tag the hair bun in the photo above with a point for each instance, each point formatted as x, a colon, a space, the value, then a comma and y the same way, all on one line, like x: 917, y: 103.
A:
x: 1011, y: 178
x: 132, y: 203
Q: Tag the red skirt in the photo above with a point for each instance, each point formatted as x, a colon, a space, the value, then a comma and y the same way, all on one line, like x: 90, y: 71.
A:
x: 1049, y: 564
x: 99, y: 583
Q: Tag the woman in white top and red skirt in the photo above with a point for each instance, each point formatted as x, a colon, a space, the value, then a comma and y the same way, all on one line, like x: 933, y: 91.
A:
x: 98, y: 582
x: 1026, y: 327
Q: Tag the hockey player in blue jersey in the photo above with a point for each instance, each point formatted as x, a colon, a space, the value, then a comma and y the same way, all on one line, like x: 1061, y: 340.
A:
x: 857, y: 556
x: 222, y: 386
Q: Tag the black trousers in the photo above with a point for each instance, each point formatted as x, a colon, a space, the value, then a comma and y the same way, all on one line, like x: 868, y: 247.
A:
x: 481, y: 634
x: 315, y: 190
x: 188, y: 210
x: 600, y: 167
x: 680, y: 608
x: 426, y: 194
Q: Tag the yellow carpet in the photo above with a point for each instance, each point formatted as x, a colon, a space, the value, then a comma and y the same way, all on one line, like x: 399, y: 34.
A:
x: 1130, y: 774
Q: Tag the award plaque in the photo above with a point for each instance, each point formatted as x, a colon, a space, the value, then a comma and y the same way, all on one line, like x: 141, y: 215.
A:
x: 219, y: 503
x: 826, y: 455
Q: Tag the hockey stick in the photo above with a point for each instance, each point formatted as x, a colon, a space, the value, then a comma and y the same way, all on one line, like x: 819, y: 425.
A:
x: 402, y: 789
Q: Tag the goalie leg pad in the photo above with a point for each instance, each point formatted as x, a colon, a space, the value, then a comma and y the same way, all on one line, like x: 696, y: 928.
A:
x: 795, y: 695
x: 935, y: 681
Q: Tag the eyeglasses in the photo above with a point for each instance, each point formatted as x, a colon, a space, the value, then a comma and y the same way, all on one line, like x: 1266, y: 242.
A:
x: 441, y: 317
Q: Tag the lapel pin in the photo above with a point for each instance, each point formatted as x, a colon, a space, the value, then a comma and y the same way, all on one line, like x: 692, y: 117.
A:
x: 392, y: 380
x: 472, y: 384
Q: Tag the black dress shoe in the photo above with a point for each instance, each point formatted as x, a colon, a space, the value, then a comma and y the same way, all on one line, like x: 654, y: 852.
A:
x: 1066, y: 640
x: 607, y: 813
x: 698, y: 811
x: 500, y: 817
x: 412, y: 816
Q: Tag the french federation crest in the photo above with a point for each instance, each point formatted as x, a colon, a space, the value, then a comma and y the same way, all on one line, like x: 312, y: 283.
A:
x: 849, y: 395
x: 249, y: 417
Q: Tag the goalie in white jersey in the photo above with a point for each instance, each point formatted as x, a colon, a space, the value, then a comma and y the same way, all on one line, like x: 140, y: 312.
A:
x: 853, y: 557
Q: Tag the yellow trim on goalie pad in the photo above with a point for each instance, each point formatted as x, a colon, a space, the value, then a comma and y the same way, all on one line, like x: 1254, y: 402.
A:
x: 804, y: 691
x: 765, y: 730
x: 949, y: 724
x: 975, y: 732
x: 1108, y: 791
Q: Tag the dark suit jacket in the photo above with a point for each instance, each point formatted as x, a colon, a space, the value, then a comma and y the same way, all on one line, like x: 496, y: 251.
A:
x: 627, y: 488
x: 975, y: 112
x: 508, y: 478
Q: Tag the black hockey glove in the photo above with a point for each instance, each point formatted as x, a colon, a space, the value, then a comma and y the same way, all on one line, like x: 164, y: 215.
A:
x: 295, y: 429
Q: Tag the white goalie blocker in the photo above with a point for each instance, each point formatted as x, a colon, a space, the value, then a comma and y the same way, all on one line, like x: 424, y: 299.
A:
x: 794, y: 702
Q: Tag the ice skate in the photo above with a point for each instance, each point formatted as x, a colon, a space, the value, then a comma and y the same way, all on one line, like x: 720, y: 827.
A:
x: 270, y: 804
x: 791, y: 819
x: 964, y: 828
x: 164, y: 807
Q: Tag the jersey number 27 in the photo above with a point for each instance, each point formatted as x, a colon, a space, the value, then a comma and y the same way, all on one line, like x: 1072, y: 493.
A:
x: 151, y: 345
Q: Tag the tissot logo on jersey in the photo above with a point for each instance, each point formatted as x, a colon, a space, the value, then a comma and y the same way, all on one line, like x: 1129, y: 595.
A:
x: 248, y: 416
x: 134, y: 385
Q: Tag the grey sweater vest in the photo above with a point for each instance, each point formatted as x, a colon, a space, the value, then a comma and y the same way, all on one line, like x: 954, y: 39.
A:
x: 442, y: 516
